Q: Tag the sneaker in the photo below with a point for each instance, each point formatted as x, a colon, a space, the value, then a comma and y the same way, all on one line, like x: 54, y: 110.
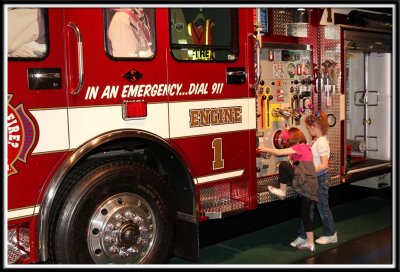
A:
x: 278, y: 192
x: 306, y: 246
x: 323, y: 240
x: 298, y: 241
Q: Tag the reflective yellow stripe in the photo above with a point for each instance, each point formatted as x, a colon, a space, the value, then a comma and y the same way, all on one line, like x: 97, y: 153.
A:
x: 190, y: 29
x: 207, y: 24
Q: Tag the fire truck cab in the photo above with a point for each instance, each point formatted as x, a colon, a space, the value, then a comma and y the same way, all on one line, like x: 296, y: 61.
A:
x: 129, y: 126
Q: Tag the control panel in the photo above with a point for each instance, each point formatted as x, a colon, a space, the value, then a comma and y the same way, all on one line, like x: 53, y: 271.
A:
x: 284, y: 98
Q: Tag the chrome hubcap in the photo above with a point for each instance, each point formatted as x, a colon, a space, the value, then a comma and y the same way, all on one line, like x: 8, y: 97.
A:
x: 121, y: 230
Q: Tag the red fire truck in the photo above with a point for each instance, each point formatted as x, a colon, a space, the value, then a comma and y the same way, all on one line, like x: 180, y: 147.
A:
x: 129, y: 126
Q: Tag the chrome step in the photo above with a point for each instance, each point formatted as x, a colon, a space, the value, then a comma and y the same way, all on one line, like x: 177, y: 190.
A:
x: 222, y: 208
x: 263, y: 194
x: 266, y: 196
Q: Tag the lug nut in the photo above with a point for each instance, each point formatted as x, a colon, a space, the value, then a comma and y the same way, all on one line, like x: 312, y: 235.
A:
x: 132, y: 250
x: 119, y: 217
x: 113, y: 249
x: 110, y: 239
x: 142, y: 228
x: 130, y: 214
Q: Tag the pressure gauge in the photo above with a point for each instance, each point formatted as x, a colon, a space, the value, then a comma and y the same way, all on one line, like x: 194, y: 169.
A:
x: 331, y: 120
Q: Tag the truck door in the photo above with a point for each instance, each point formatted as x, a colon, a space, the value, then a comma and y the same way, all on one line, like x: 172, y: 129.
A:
x: 106, y: 69
x: 211, y: 113
x: 37, y: 105
x: 116, y: 79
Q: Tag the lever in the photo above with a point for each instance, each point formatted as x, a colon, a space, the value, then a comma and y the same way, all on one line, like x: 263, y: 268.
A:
x: 269, y: 98
x: 263, y: 110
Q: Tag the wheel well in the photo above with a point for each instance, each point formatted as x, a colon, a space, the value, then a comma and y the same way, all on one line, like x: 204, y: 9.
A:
x: 159, y: 157
x: 145, y: 149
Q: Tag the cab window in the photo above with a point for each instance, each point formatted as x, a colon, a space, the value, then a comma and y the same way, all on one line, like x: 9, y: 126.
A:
x: 204, y: 34
x: 130, y: 32
x: 27, y: 36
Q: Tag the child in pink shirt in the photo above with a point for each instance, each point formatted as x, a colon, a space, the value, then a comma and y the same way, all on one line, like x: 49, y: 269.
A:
x: 301, y: 175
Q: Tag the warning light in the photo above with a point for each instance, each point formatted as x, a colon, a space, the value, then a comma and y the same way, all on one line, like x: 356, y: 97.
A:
x: 270, y: 54
x: 299, y: 69
x: 134, y: 110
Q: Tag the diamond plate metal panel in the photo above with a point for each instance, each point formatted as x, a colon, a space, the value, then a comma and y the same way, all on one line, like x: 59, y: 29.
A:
x: 280, y: 18
x: 214, y: 193
x: 219, y: 199
x: 283, y: 24
x: 335, y: 181
x: 264, y: 196
x: 18, y: 244
x: 330, y: 53
x: 223, y: 206
x: 298, y: 30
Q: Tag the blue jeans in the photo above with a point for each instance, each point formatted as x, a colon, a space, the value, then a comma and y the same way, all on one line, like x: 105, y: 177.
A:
x: 323, y: 208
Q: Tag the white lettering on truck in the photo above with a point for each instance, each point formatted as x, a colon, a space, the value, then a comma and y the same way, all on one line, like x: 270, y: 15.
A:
x: 153, y: 90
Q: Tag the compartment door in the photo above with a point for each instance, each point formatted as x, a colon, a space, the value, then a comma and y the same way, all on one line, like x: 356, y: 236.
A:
x: 368, y: 91
x: 212, y: 117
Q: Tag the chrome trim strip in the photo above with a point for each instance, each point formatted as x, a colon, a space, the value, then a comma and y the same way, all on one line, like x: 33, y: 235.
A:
x: 187, y: 217
x: 221, y: 176
x: 368, y: 168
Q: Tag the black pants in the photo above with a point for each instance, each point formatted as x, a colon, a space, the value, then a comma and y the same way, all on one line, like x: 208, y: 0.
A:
x: 286, y: 175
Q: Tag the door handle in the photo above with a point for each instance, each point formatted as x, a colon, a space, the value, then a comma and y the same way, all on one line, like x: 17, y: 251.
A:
x: 80, y: 58
x: 44, y: 78
x: 235, y: 75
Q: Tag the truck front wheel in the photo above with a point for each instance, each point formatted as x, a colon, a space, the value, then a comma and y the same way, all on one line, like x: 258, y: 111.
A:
x: 119, y: 212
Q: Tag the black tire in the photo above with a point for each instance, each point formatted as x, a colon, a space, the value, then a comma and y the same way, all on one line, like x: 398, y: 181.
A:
x: 117, y: 212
